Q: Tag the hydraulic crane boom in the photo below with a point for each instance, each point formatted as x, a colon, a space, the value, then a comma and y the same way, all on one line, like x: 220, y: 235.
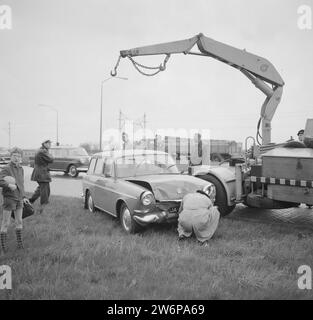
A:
x: 258, y: 70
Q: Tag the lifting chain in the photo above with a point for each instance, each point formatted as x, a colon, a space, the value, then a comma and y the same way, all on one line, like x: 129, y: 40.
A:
x: 137, y: 65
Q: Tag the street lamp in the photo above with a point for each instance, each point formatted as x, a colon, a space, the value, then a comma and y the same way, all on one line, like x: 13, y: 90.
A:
x: 57, y: 113
x: 102, y: 82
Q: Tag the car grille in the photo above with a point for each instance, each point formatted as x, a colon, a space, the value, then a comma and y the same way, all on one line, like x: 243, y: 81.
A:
x: 169, y: 206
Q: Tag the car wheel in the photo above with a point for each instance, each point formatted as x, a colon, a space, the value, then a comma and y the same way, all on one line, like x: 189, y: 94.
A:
x: 90, y: 203
x: 72, y: 171
x: 221, y: 196
x: 127, y: 221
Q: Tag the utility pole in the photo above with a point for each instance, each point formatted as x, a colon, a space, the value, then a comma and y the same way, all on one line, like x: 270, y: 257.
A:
x: 57, y: 119
x: 120, y: 123
x: 144, y: 130
x: 57, y: 143
x: 101, y: 106
x: 9, y: 135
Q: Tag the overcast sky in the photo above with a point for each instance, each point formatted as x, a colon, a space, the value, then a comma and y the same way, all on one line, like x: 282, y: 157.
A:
x: 58, y: 52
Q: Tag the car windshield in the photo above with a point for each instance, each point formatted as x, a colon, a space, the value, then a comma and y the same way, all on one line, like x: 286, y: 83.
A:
x: 145, y: 164
x: 78, y: 152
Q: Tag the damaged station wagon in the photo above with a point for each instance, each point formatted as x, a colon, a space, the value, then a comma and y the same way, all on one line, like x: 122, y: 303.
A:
x: 139, y: 187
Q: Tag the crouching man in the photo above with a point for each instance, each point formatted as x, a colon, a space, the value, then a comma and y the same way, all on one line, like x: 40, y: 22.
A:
x: 198, y: 216
x: 12, y: 183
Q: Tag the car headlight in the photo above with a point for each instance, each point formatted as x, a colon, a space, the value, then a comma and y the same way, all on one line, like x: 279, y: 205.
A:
x: 147, y: 198
x: 210, y: 191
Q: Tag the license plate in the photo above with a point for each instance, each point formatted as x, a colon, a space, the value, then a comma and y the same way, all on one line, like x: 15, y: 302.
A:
x: 173, y: 210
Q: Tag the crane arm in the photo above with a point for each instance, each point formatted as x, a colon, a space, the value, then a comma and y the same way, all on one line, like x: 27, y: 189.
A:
x: 182, y: 46
x: 237, y: 58
x: 257, y: 69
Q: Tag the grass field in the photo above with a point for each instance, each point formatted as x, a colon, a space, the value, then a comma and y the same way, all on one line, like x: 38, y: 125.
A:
x: 73, y: 254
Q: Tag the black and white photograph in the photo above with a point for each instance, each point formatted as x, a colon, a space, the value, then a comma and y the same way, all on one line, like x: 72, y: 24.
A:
x: 156, y: 155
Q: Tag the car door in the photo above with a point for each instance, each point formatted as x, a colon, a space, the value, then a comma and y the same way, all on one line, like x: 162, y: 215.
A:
x: 99, y: 184
x: 64, y: 159
x: 89, y: 181
x: 105, y: 198
x: 108, y: 182
x: 59, y: 156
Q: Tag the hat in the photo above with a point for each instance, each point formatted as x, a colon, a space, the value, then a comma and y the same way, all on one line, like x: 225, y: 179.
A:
x: 46, y: 141
x: 300, y: 132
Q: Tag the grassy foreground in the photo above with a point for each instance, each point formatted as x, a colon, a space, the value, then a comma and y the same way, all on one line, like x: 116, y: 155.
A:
x: 73, y: 254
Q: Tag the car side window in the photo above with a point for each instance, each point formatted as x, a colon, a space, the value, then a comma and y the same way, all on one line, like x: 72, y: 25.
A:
x: 99, y: 166
x: 92, y: 165
x: 57, y: 153
x: 108, y: 167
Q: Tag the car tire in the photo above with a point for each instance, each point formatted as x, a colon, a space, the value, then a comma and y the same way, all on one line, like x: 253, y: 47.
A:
x: 221, y: 196
x: 72, y: 171
x: 89, y: 204
x: 127, y: 222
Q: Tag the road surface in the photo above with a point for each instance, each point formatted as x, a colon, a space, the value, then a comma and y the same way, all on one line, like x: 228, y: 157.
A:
x: 61, y: 184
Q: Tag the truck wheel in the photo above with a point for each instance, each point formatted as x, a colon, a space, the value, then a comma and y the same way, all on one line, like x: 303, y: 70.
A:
x: 127, y: 221
x: 221, y: 196
x: 72, y: 171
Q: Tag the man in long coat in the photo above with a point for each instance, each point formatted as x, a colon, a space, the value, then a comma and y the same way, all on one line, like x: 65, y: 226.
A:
x: 42, y: 175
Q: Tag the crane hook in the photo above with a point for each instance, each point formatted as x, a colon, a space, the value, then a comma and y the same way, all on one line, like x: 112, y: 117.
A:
x: 114, y: 73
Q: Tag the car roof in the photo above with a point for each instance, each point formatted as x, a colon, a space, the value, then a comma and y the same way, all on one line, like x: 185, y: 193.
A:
x: 121, y: 153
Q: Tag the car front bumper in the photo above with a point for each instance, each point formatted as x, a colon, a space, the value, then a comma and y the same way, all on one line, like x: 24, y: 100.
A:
x: 147, y: 217
x: 82, y: 169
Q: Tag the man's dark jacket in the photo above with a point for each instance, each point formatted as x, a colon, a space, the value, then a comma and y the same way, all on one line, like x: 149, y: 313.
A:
x: 41, y: 171
x: 17, y: 172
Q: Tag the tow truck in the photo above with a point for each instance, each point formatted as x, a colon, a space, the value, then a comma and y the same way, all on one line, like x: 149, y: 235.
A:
x: 281, y: 177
